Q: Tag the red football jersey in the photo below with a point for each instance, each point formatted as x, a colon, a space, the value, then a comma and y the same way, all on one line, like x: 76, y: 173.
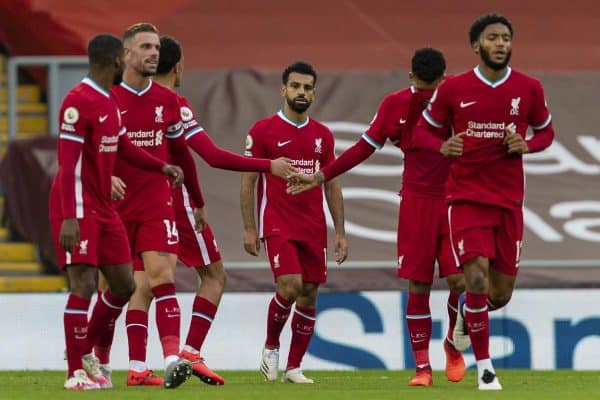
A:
x: 90, y: 117
x: 485, y: 172
x: 151, y: 117
x: 310, y: 146
x: 425, y: 172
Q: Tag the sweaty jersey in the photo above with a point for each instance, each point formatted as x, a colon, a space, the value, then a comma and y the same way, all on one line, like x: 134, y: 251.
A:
x: 310, y: 146
x: 152, y: 117
x: 425, y: 172
x: 486, y: 172
x: 90, y: 118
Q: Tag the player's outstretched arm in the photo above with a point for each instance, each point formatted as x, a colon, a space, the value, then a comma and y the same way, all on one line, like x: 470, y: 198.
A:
x: 299, y: 182
x: 180, y: 152
x: 251, y: 239
x: 335, y: 202
x: 137, y: 157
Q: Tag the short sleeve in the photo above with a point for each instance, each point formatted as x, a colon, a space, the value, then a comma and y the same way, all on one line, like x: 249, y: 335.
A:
x: 379, y: 129
x: 539, y: 116
x: 253, y: 147
x: 74, y: 123
x: 439, y: 109
x: 172, y: 113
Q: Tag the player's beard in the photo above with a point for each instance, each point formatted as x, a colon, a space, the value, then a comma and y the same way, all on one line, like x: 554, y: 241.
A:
x: 298, y: 107
x: 487, y: 60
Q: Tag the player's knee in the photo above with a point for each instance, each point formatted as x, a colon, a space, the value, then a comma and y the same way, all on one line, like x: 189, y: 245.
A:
x: 215, y: 277
x: 125, y: 290
x: 456, y: 283
x: 476, y: 282
x: 84, y: 288
x: 290, y: 290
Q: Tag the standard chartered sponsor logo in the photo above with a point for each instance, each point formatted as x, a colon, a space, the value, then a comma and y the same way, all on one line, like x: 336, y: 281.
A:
x: 146, y: 138
x: 486, y: 130
x: 305, y: 166
x: 108, y: 144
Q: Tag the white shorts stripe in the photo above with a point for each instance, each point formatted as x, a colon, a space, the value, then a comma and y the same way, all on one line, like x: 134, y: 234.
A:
x: 190, y: 215
x: 456, y: 260
x: 78, y: 189
x: 263, y: 206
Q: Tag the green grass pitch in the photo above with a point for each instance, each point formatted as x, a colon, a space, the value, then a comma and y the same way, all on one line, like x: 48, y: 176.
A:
x: 330, y: 385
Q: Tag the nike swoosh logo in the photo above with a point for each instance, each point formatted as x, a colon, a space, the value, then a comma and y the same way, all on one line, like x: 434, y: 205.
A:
x: 124, y: 112
x: 281, y: 144
x: 465, y: 105
x: 172, y: 242
x: 475, y: 330
x: 402, y: 121
x: 419, y: 341
x: 102, y: 118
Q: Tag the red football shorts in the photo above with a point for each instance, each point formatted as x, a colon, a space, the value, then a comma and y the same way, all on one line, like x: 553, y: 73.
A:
x: 423, y: 239
x: 287, y: 256
x: 101, y: 242
x: 151, y: 235
x: 484, y: 230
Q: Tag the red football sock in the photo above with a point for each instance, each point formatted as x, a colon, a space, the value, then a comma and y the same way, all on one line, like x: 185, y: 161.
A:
x: 452, y: 310
x: 418, y: 320
x: 303, y: 326
x: 76, y: 328
x: 203, y: 313
x: 106, y: 311
x: 168, y: 318
x: 476, y: 316
x: 137, y: 334
x: 279, y: 311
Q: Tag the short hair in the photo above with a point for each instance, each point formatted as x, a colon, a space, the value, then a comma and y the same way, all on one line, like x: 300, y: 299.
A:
x: 103, y: 49
x: 300, y: 67
x: 138, y: 28
x: 428, y: 64
x: 170, y: 54
x: 483, y: 21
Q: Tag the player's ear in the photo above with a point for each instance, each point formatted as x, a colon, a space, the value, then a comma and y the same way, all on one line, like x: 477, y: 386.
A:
x: 475, y: 45
x: 282, y: 90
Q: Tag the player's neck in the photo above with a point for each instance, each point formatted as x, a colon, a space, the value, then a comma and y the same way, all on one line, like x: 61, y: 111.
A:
x: 165, y: 81
x: 101, y: 79
x: 293, y: 115
x: 135, y: 80
x: 491, y: 74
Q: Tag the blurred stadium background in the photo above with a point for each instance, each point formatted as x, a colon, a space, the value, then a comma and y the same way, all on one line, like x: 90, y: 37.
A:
x: 234, y: 53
